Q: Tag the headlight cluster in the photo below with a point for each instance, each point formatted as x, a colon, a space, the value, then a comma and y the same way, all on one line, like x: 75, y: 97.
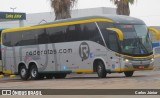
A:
x: 126, y: 60
x: 152, y: 59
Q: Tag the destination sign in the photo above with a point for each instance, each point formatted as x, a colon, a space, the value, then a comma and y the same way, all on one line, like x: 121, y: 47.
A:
x: 13, y: 16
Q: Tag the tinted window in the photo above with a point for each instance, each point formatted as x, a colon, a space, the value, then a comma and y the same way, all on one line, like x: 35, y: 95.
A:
x: 56, y: 34
x: 73, y: 33
x: 103, y: 27
x: 91, y: 32
x: 0, y: 45
x: 113, y: 42
x: 78, y: 32
x: 42, y: 36
x: 7, y: 39
x: 28, y: 38
x: 16, y: 38
x: 0, y: 35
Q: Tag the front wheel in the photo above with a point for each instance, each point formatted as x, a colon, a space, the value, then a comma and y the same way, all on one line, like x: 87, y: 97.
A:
x: 129, y: 73
x: 24, y: 74
x: 101, y: 70
x: 34, y: 72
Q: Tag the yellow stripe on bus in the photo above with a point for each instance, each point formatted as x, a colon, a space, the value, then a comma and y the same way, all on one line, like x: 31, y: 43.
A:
x: 119, y: 32
x: 57, y: 24
x: 131, y: 69
x: 7, y: 72
x: 12, y: 76
x: 84, y: 71
x: 1, y: 76
x: 134, y: 57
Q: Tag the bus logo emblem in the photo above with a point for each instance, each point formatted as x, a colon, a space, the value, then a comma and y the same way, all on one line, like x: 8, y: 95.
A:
x: 84, y: 50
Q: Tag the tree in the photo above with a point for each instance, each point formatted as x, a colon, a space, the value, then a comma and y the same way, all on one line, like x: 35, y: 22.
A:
x: 62, y: 8
x: 123, y: 6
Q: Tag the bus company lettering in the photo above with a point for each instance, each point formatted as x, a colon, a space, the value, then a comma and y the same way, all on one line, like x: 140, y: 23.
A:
x: 42, y: 52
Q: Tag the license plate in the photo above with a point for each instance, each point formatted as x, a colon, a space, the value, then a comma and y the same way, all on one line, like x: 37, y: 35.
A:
x: 141, y: 67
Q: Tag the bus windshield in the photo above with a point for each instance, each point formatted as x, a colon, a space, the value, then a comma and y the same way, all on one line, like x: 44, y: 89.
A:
x: 136, y: 40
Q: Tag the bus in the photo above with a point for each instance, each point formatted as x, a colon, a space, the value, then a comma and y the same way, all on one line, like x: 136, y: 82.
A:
x: 92, y: 44
x: 0, y: 54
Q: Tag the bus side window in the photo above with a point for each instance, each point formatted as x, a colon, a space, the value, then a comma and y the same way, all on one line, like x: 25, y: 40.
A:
x: 91, y: 32
x: 16, y: 38
x: 42, y: 36
x: 70, y: 33
x: 7, y: 39
x: 113, y: 42
x: 56, y: 34
x: 73, y: 33
x: 29, y: 38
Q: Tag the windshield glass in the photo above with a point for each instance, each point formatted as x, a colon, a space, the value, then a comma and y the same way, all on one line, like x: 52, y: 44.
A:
x: 136, y: 40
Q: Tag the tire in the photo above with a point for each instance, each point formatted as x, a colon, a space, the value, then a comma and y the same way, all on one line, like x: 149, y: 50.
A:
x: 24, y: 73
x: 129, y: 73
x: 34, y: 73
x: 101, y: 71
x: 60, y: 76
x: 49, y: 76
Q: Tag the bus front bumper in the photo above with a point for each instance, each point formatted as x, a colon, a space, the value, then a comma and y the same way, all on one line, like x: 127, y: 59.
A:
x: 136, y: 65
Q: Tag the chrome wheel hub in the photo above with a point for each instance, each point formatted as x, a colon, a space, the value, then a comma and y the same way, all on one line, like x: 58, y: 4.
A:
x: 23, y: 72
x: 34, y: 73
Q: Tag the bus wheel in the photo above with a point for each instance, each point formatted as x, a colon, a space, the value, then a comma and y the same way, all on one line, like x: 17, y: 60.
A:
x: 49, y: 76
x: 24, y: 74
x: 34, y: 73
x: 101, y: 70
x: 60, y: 76
x: 129, y: 73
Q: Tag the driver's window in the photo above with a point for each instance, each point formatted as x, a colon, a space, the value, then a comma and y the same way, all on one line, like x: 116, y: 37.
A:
x: 113, y: 42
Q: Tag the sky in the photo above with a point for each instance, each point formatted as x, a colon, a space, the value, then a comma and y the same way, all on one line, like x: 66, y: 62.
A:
x: 147, y: 10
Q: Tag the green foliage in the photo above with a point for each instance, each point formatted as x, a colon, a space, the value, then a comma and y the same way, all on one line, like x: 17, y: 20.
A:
x: 125, y: 1
x: 62, y: 8
x: 123, y: 6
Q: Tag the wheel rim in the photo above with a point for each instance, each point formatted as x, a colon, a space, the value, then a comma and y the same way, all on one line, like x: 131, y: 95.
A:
x: 34, y: 73
x: 99, y: 70
x: 23, y: 72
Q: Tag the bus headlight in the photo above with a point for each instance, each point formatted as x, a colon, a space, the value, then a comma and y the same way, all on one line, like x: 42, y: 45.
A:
x: 152, y: 59
x: 126, y: 60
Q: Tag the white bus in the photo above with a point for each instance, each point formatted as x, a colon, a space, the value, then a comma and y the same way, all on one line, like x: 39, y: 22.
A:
x: 102, y: 44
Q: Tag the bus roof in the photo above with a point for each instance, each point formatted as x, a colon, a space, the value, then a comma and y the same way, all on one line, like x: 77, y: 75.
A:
x: 119, y: 19
x: 114, y: 18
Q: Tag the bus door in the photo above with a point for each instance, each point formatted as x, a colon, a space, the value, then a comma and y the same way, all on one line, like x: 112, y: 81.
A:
x: 113, y: 45
x: 0, y: 54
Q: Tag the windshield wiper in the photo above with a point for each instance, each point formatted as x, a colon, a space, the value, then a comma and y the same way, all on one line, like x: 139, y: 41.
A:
x: 142, y: 45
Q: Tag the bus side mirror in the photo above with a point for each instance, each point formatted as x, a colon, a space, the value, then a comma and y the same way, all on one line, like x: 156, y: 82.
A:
x: 156, y: 33
x: 118, y: 31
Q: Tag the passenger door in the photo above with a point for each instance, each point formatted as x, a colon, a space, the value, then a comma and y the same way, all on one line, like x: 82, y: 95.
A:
x: 113, y: 45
